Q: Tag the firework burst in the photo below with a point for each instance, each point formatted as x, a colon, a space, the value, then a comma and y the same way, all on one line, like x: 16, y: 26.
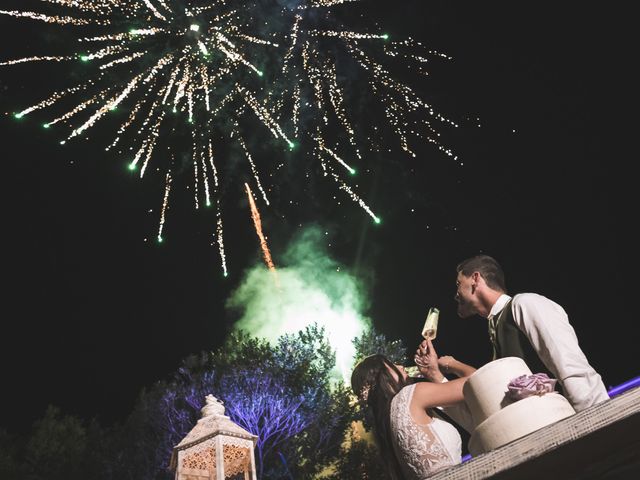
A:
x: 213, y: 71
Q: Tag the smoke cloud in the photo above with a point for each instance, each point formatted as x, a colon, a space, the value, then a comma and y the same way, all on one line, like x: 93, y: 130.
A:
x: 310, y: 287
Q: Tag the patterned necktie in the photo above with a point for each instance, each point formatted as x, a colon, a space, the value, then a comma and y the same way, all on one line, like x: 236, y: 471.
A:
x: 492, y: 324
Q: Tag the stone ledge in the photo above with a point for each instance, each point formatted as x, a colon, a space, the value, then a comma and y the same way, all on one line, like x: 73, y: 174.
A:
x: 599, y: 442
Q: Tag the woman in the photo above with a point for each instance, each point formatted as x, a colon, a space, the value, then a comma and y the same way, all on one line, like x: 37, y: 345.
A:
x: 414, y: 442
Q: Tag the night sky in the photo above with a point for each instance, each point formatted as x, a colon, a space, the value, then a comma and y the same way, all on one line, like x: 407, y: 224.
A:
x: 94, y: 309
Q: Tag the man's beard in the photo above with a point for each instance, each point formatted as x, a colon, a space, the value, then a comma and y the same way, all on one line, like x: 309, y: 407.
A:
x: 465, y: 310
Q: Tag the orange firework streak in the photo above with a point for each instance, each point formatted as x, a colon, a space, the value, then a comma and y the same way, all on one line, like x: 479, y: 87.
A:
x: 258, y: 224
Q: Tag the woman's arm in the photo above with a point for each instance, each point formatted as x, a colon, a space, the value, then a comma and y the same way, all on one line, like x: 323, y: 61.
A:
x: 431, y: 367
x: 429, y: 395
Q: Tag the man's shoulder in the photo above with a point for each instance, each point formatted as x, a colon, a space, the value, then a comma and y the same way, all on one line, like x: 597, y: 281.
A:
x: 525, y: 299
x: 534, y: 302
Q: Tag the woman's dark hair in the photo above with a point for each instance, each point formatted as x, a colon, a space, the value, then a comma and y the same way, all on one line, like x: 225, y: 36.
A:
x: 373, y: 376
x: 488, y: 267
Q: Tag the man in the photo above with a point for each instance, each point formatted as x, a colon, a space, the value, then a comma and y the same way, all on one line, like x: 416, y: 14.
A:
x: 528, y: 326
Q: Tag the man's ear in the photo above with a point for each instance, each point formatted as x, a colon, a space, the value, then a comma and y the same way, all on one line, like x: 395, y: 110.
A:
x: 475, y: 281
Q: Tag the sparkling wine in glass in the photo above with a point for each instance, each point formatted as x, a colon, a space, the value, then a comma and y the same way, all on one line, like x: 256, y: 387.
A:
x: 430, y: 328
x: 412, y: 371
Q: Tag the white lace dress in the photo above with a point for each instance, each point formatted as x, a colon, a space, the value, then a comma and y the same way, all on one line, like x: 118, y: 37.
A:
x: 422, y: 450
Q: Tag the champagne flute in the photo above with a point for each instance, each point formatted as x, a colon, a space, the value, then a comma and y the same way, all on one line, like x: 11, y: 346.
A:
x: 430, y: 328
x: 429, y: 331
x: 413, y: 371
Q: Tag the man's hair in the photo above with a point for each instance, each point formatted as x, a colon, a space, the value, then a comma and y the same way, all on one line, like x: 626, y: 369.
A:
x: 487, y: 267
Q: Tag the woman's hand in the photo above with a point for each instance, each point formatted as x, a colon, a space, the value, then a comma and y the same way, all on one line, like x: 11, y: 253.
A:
x: 426, y: 359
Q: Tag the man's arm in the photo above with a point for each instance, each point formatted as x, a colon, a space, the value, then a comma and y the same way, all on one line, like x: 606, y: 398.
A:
x: 546, y: 325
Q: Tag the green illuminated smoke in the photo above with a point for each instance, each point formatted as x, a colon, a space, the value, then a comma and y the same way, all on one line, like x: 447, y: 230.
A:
x: 313, y: 288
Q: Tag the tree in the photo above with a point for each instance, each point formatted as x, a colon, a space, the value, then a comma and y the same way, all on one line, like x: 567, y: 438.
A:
x: 371, y: 342
x: 299, y: 415
x: 359, y: 461
x: 10, y: 467
x: 56, y: 448
x: 282, y: 393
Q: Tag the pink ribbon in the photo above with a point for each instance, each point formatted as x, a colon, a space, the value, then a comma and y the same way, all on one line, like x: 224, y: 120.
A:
x: 527, y: 385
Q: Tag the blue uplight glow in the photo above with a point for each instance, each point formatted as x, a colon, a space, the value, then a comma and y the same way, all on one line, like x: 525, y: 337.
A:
x: 623, y: 387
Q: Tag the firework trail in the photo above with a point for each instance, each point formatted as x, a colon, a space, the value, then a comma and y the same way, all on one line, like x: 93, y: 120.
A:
x: 257, y: 223
x: 200, y: 75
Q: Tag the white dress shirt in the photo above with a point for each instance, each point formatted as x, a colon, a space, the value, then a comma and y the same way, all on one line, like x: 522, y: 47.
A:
x: 546, y: 325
